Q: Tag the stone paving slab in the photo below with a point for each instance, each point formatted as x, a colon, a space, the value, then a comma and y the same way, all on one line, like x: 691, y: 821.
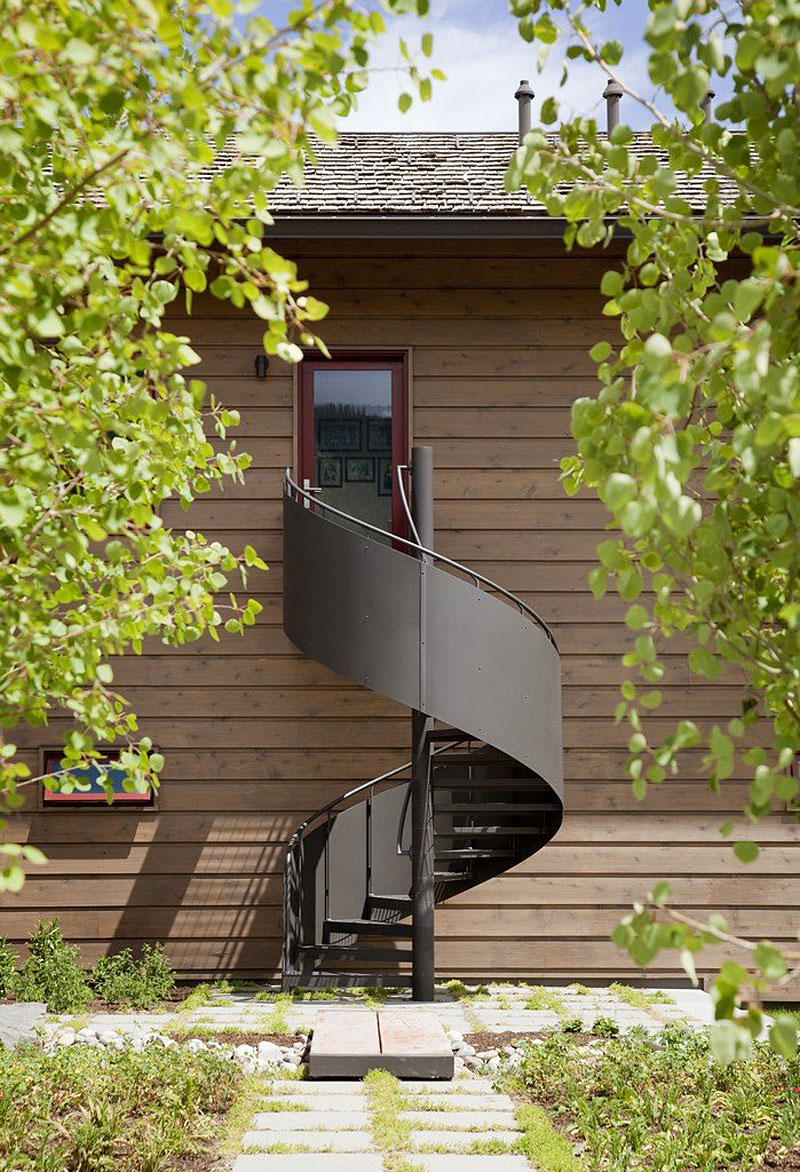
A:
x: 461, y: 1120
x: 337, y: 1103
x: 304, y: 1086
x: 456, y: 1140
x: 441, y: 1162
x: 460, y: 1101
x: 20, y: 1021
x: 311, y: 1120
x: 314, y: 1162
x: 337, y: 1141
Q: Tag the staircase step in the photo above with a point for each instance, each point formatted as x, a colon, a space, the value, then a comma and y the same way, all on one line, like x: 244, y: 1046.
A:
x: 469, y: 853
x: 479, y: 831
x: 338, y: 979
x: 479, y: 783
x: 471, y: 758
x: 392, y: 903
x: 321, y: 952
x: 451, y: 734
x: 365, y: 928
x: 495, y: 807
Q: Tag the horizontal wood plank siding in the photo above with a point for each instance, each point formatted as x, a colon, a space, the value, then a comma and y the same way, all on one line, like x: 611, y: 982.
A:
x: 256, y: 736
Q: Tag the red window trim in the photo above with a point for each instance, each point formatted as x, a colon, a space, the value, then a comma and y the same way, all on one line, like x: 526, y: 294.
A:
x: 397, y: 361
x: 49, y: 799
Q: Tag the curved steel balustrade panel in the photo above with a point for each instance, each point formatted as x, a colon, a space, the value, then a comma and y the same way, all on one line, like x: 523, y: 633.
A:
x: 423, y: 637
x: 351, y: 603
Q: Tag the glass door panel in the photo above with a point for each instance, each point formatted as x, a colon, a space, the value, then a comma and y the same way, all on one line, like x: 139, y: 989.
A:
x: 353, y: 433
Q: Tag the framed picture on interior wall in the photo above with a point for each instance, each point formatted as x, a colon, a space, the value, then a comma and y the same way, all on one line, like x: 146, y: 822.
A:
x: 384, y: 477
x: 379, y: 435
x: 329, y: 471
x: 359, y: 469
x: 339, y: 435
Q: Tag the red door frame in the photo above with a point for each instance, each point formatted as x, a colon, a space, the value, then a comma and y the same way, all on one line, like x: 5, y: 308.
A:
x: 394, y: 360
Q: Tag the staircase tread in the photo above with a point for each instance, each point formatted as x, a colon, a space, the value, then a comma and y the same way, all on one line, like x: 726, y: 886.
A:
x: 495, y: 808
x: 477, y: 831
x: 471, y: 853
x: 368, y: 927
x: 355, y: 951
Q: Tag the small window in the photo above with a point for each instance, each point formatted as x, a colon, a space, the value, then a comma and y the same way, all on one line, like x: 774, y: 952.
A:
x: 86, y: 787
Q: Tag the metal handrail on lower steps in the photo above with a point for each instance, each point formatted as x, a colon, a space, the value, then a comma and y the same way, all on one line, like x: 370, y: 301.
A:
x: 329, y: 811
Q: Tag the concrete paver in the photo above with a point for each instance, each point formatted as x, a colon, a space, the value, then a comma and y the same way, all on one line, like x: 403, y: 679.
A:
x: 319, y: 1141
x: 314, y: 1162
x: 311, y: 1120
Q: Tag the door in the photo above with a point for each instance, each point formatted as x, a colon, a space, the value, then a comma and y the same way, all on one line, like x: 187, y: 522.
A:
x: 353, y: 432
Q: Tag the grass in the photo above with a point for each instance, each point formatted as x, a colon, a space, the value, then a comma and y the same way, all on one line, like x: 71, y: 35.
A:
x: 462, y: 992
x: 660, y: 1105
x: 547, y: 1149
x: 248, y: 1101
x: 546, y: 1000
x: 580, y: 990
x: 92, y: 1110
x: 640, y: 998
x: 386, y: 1100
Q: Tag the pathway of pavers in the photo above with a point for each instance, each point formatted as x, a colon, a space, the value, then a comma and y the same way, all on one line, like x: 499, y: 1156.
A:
x: 331, y: 1132
x: 502, y: 1010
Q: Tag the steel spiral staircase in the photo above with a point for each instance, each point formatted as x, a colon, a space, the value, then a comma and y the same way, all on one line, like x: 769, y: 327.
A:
x: 481, y: 672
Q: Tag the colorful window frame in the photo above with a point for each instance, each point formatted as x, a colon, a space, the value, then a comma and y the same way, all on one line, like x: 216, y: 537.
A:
x: 95, y: 795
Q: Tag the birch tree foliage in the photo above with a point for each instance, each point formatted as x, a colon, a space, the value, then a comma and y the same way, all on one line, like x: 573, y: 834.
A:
x: 692, y: 439
x: 112, y: 113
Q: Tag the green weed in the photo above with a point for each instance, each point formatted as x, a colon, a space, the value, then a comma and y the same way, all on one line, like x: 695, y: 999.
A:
x: 581, y: 990
x: 543, y: 999
x: 94, y: 1110
x: 640, y: 998
x: 604, y: 1027
x: 386, y: 1099
x: 658, y: 1104
x: 546, y: 1149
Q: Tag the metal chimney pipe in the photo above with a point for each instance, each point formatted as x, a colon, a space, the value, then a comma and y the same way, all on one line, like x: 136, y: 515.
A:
x: 612, y: 94
x: 706, y: 106
x: 524, y: 96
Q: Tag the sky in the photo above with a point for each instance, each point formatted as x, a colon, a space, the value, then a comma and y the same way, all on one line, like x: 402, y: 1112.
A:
x: 477, y: 44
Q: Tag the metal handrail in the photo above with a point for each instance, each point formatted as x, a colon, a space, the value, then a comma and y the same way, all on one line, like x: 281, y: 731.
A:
x: 431, y: 553
x: 401, y: 488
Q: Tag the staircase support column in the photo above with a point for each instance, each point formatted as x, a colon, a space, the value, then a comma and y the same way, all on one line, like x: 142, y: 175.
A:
x: 422, y: 844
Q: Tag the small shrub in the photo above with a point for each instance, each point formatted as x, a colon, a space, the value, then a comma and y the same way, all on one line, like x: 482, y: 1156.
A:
x: 573, y: 1025
x: 604, y: 1027
x: 52, y: 973
x: 121, y: 980
x: 8, y: 969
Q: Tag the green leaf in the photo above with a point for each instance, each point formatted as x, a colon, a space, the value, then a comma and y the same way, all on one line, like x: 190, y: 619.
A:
x: 783, y: 1036
x: 404, y: 102
x: 746, y: 851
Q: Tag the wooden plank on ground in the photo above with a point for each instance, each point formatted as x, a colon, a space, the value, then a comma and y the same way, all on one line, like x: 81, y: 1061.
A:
x: 347, y: 1043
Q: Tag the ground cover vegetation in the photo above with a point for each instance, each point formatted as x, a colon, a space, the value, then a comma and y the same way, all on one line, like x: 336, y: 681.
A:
x: 692, y: 440
x: 660, y: 1104
x: 52, y: 973
x: 112, y: 115
x: 93, y: 1110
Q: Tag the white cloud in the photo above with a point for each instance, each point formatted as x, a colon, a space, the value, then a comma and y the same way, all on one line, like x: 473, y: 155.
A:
x: 484, y: 62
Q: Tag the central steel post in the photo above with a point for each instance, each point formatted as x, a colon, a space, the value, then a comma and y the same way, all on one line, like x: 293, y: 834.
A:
x: 422, y: 847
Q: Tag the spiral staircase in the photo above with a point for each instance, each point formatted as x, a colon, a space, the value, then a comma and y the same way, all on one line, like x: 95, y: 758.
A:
x: 481, y: 672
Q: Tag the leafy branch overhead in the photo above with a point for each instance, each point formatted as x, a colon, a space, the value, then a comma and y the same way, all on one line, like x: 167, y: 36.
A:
x: 111, y: 115
x: 693, y: 439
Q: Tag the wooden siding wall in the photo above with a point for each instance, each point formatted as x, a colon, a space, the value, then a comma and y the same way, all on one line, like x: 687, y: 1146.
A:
x: 256, y: 736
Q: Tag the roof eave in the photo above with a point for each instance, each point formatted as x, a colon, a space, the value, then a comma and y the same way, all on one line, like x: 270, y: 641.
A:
x: 421, y: 227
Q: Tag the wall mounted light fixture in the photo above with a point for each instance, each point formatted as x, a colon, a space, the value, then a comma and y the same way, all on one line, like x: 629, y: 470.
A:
x: 261, y: 364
